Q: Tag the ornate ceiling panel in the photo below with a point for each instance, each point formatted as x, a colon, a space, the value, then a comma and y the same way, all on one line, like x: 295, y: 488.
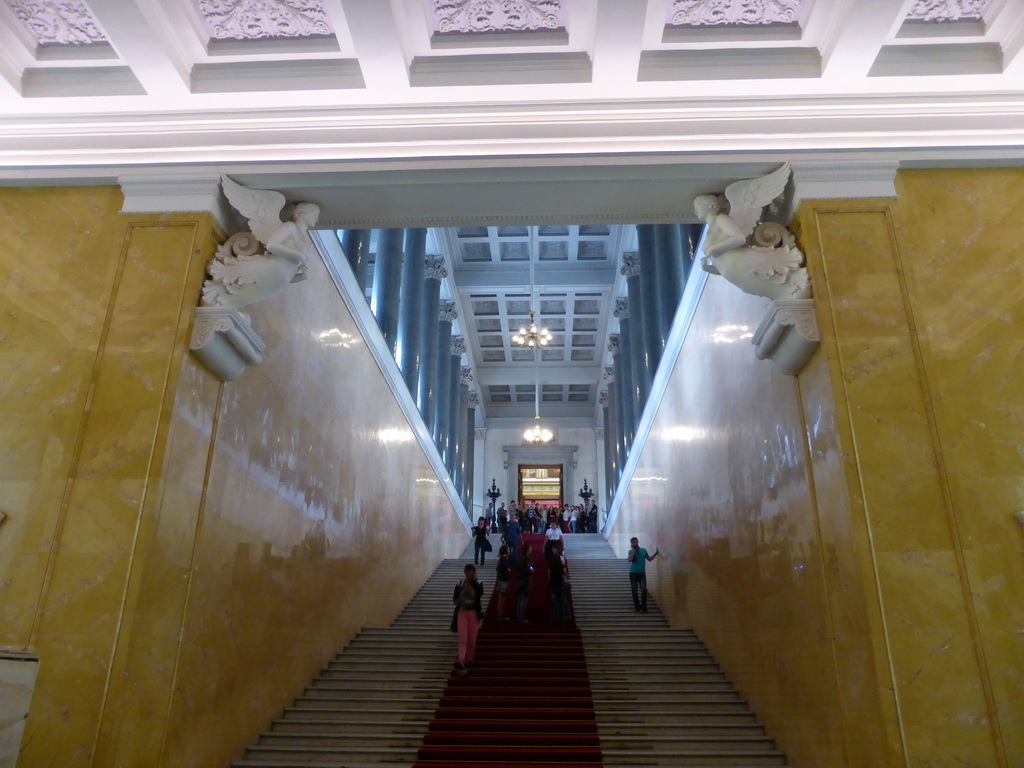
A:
x: 948, y: 10
x: 263, y: 19
x: 705, y: 13
x: 58, y: 23
x: 482, y: 16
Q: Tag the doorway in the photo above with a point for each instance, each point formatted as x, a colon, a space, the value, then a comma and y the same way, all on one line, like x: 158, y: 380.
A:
x: 541, y: 484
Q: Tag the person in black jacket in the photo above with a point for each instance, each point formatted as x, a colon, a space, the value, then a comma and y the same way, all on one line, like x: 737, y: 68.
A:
x: 468, y: 614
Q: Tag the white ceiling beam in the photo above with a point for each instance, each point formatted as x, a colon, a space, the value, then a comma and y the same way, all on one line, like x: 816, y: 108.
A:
x: 854, y: 38
x: 377, y: 41
x: 618, y: 41
x: 576, y: 277
x: 146, y: 51
x: 527, y: 374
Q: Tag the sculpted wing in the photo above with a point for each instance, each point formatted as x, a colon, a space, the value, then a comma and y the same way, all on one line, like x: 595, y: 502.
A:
x: 262, y: 207
x: 747, y: 197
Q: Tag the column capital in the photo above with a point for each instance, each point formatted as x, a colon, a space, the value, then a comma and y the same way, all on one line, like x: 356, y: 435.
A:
x: 630, y: 264
x: 434, y: 268
x: 602, y: 398
x: 467, y: 372
x: 458, y: 346
x: 840, y: 181
x: 446, y: 311
x: 613, y: 343
x: 474, y: 399
x: 609, y: 373
x: 622, y: 309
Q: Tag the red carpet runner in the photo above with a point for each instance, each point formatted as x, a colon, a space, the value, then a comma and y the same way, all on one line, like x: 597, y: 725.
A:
x: 527, y: 699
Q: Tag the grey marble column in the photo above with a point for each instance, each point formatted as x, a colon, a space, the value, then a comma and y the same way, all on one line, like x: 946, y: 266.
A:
x: 410, y: 316
x: 689, y: 236
x: 454, y: 382
x: 426, y: 394
x: 459, y: 440
x: 631, y: 340
x: 471, y: 406
x: 624, y: 423
x: 607, y: 398
x: 442, y: 374
x: 356, y: 244
x: 671, y: 274
x: 387, y: 284
x: 650, y: 319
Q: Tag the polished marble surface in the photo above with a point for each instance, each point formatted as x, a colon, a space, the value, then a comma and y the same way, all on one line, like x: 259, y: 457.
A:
x: 184, y: 556
x: 846, y: 541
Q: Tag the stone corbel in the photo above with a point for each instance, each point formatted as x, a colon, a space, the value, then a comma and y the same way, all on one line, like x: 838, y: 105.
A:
x: 788, y: 335
x: 224, y: 342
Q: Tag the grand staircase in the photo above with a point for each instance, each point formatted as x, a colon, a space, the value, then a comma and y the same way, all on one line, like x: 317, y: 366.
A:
x: 658, y: 696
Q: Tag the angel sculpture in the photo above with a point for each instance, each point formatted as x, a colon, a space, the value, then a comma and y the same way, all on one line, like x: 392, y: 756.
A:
x: 760, y: 260
x: 251, y: 266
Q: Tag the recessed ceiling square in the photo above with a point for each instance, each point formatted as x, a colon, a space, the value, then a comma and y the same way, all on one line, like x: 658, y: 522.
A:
x: 592, y: 250
x: 476, y: 252
x: 554, y: 250
x: 488, y: 307
x: 514, y: 251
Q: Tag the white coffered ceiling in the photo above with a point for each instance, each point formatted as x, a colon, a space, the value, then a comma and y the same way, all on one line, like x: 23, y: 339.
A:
x: 362, y: 105
x: 87, y: 83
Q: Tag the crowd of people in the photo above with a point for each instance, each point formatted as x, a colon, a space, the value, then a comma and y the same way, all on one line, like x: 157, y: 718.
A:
x: 536, y: 517
x: 516, y: 556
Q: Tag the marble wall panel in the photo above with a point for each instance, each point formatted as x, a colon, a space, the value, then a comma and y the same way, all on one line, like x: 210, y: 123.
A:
x: 724, y: 488
x: 55, y: 283
x: 965, y: 282
x: 80, y: 620
x: 321, y: 516
x: 903, y: 294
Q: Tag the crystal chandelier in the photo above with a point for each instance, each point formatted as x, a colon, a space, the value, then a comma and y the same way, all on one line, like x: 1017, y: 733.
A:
x: 534, y: 337
x: 538, y: 434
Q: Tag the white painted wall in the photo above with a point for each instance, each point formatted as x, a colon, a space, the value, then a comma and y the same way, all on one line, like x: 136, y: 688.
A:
x: 587, y: 457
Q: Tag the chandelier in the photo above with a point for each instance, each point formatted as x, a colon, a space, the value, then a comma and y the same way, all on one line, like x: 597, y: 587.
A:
x: 534, y: 337
x: 537, y: 434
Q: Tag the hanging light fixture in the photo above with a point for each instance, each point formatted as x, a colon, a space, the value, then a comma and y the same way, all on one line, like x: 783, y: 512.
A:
x: 533, y: 336
x: 537, y: 433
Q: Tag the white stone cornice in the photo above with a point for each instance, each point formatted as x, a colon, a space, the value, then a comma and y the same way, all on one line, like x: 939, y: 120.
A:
x: 841, y: 181
x: 195, y: 193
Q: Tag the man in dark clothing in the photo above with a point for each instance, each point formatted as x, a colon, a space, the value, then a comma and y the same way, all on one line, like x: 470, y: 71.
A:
x: 524, y: 580
x: 513, y: 532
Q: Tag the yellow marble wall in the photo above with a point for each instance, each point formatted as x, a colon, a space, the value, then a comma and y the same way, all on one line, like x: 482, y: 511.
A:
x: 924, y: 308
x: 845, y: 540
x: 767, y: 573
x: 184, y: 555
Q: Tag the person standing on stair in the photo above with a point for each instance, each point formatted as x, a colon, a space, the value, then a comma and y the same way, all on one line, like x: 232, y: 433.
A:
x: 524, y: 579
x: 512, y: 534
x: 468, y: 614
x: 480, y: 544
x: 638, y: 559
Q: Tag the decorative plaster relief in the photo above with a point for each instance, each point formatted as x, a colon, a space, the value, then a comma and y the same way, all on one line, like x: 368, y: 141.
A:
x: 224, y: 342
x: 474, y: 16
x: 264, y: 19
x: 788, y: 335
x: 60, y: 22
x: 710, y: 13
x: 948, y: 10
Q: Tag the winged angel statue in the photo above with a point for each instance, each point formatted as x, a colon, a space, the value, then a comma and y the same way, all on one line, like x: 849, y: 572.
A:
x: 251, y: 266
x: 762, y: 260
